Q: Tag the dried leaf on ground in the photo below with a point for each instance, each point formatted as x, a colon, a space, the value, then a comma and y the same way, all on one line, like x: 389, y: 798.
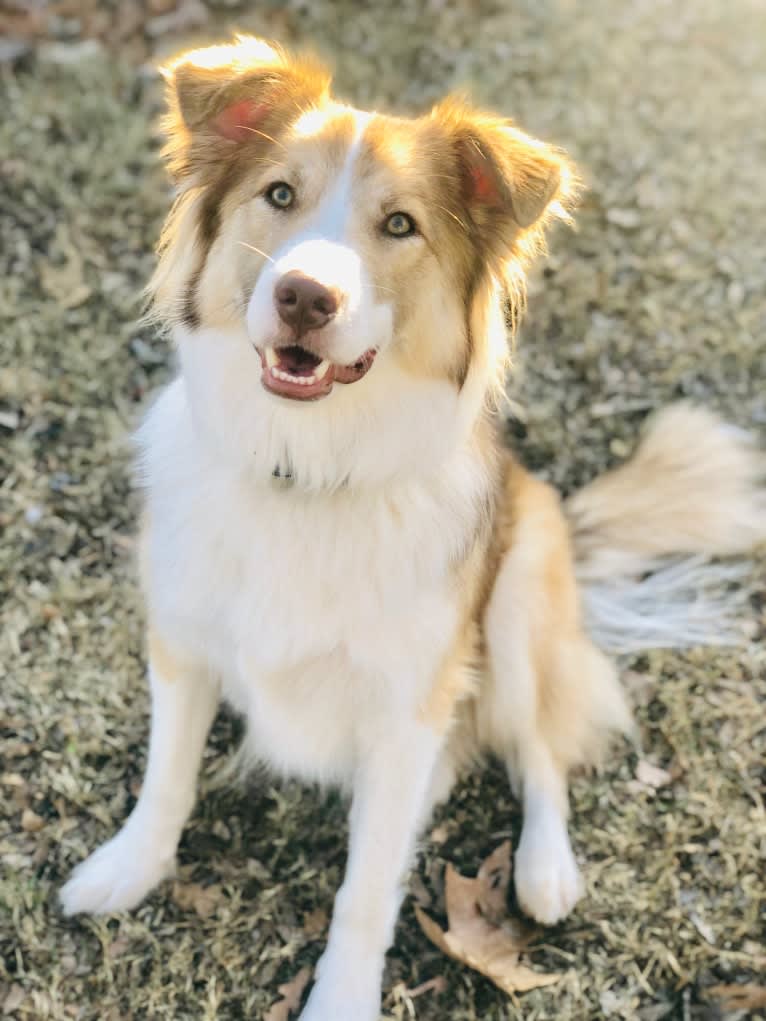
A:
x: 315, y: 922
x: 438, y: 985
x: 651, y: 775
x: 291, y: 993
x: 481, y: 934
x: 31, y: 822
x: 14, y: 999
x: 744, y: 997
x: 193, y: 896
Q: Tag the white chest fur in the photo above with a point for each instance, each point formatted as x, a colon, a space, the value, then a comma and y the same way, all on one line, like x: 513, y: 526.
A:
x: 323, y: 614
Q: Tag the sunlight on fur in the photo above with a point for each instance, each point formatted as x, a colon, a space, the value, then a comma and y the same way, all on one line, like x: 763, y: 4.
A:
x: 337, y: 542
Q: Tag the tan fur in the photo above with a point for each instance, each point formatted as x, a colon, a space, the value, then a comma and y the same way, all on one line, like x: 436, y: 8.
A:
x: 167, y: 666
x: 577, y: 699
x: 290, y: 602
x: 482, y: 194
x: 691, y: 487
x: 430, y: 166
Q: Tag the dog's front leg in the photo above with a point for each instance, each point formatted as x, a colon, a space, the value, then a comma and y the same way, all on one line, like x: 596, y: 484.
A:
x: 392, y: 795
x: 120, y: 873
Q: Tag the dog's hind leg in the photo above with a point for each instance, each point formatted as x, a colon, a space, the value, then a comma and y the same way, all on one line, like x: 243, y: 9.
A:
x: 550, y: 695
x: 120, y: 873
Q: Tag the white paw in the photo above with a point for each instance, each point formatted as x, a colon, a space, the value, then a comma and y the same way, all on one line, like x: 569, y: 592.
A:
x: 116, y: 877
x: 548, y: 882
x: 344, y: 992
x: 336, y: 1005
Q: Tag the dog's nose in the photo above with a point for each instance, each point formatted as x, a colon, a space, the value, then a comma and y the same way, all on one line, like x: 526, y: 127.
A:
x: 303, y: 303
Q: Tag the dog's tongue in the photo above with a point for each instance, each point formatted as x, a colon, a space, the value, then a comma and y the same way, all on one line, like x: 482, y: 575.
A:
x: 300, y: 375
x: 296, y: 373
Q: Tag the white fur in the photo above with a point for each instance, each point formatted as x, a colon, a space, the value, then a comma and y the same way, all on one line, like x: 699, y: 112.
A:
x: 677, y: 604
x: 321, y: 250
x: 694, y: 488
x: 323, y: 603
x: 121, y: 873
x: 387, y: 428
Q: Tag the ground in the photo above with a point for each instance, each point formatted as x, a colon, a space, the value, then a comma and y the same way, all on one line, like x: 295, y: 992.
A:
x: 658, y: 293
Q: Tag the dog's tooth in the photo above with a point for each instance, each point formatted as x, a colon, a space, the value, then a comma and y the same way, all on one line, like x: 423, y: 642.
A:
x: 321, y: 370
x: 271, y: 357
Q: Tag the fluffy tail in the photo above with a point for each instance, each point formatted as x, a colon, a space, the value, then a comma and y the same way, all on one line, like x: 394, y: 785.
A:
x: 646, y: 533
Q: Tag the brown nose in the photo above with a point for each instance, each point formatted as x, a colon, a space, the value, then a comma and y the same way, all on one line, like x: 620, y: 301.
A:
x: 303, y: 303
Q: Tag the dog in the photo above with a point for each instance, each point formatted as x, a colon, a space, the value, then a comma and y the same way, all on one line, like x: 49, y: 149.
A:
x: 335, y: 538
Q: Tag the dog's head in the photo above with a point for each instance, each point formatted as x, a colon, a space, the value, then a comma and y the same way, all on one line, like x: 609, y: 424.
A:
x: 347, y: 246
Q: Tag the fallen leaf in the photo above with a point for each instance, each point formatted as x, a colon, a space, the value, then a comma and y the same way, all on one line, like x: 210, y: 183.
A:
x: 31, y: 822
x: 315, y: 922
x: 118, y: 947
x: 651, y: 775
x: 492, y: 884
x: 193, y: 896
x: 439, y: 834
x: 745, y: 997
x: 628, y: 219
x: 480, y: 933
x: 702, y: 927
x: 291, y: 993
x: 437, y: 985
x: 14, y: 999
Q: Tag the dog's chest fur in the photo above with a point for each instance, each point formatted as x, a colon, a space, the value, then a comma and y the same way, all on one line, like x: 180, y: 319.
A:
x: 323, y: 614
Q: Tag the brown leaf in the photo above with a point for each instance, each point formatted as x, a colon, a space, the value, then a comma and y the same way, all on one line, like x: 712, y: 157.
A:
x: 14, y: 999
x: 193, y: 896
x: 315, y: 922
x: 745, y: 997
x: 291, y: 993
x: 437, y: 985
x: 439, y: 834
x: 492, y: 884
x: 480, y: 932
x: 31, y: 822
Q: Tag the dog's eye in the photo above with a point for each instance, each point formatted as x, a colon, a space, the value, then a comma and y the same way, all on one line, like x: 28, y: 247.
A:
x: 280, y: 195
x: 399, y: 225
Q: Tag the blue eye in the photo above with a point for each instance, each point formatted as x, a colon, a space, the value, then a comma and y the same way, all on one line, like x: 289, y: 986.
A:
x: 280, y: 195
x: 399, y: 225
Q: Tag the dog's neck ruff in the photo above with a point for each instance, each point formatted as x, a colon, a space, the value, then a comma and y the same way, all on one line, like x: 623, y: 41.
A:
x: 389, y: 428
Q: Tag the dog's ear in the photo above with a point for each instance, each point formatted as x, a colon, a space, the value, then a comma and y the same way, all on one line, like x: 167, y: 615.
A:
x: 508, y: 181
x: 222, y: 98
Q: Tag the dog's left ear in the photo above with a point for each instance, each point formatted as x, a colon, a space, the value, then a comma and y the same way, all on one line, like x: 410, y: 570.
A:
x: 508, y: 181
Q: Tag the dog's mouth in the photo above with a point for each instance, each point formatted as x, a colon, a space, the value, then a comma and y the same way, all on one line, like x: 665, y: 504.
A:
x: 300, y: 375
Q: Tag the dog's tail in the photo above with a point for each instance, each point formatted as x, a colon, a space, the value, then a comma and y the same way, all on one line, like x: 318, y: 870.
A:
x: 646, y: 534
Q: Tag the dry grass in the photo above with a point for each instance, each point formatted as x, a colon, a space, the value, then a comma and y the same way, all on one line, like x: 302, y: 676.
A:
x: 660, y: 293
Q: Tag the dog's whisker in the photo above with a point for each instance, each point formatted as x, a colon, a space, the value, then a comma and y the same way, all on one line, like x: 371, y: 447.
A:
x: 263, y: 134
x: 450, y: 213
x: 254, y: 248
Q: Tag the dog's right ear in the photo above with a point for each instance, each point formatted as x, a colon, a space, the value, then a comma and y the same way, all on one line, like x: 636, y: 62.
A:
x: 222, y: 99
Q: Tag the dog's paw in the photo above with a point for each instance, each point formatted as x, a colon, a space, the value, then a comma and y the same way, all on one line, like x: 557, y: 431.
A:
x: 116, y: 877
x: 344, y: 990
x: 548, y: 882
x: 336, y: 1005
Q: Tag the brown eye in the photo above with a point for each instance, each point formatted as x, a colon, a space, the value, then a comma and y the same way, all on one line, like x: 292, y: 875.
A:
x: 280, y: 195
x: 399, y: 225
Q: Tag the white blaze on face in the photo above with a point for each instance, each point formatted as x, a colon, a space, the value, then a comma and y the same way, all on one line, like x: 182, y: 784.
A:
x: 324, y: 249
